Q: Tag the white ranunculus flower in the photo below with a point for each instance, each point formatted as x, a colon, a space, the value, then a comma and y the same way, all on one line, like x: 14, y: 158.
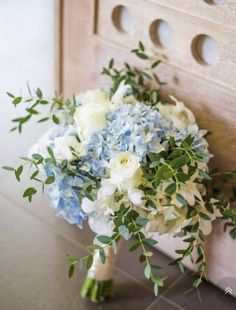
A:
x: 62, y: 147
x: 178, y: 113
x: 135, y: 196
x: 125, y: 170
x: 91, y: 115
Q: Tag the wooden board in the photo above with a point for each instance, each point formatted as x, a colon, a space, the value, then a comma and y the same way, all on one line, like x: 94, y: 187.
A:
x: 89, y: 34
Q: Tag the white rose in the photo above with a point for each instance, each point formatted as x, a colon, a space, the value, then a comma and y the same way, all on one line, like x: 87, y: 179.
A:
x: 178, y: 113
x: 135, y: 196
x: 62, y: 147
x: 91, y: 115
x: 125, y: 170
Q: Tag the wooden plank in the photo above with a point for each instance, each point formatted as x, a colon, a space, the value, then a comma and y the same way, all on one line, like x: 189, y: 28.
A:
x: 185, y: 29
x: 58, y: 45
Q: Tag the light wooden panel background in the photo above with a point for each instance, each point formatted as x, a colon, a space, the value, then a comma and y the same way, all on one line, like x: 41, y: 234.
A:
x: 87, y: 37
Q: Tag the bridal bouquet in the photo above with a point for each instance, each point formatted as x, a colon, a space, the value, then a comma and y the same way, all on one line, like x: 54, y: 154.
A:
x: 128, y: 163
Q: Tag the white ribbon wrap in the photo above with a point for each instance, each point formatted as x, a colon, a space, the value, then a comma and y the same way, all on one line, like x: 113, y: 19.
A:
x: 100, y: 271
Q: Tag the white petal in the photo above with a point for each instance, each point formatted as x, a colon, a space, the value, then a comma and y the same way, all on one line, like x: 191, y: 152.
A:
x: 88, y: 206
x: 101, y: 224
x: 107, y: 189
x: 135, y: 196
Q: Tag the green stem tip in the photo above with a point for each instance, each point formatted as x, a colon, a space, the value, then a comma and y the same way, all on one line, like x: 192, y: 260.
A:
x: 97, y: 290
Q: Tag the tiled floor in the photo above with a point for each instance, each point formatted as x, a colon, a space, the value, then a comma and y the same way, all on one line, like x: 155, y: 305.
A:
x: 33, y: 269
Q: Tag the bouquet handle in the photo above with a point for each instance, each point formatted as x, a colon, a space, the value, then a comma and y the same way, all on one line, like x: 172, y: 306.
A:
x: 98, y: 284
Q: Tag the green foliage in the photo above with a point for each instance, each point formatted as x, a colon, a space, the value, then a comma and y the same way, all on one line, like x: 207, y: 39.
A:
x: 32, y: 105
x: 141, y: 81
x: 29, y: 192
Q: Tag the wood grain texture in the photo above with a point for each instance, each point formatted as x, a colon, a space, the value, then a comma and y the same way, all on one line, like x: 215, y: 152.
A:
x: 58, y: 46
x: 90, y: 39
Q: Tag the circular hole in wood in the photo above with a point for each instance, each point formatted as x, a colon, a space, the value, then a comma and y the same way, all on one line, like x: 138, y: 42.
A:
x: 205, y: 50
x: 122, y: 19
x: 161, y: 33
x: 215, y: 2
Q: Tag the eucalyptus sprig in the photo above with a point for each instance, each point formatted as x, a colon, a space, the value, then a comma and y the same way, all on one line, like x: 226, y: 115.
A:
x: 143, y: 81
x: 32, y: 104
x: 127, y: 224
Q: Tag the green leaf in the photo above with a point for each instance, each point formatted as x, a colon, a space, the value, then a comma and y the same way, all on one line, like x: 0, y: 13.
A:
x: 50, y: 180
x: 43, y: 102
x: 171, y: 189
x: 39, y: 158
x: 150, y: 241
x: 71, y: 270
x: 141, y: 221
x: 187, y: 142
x: 181, y: 199
x: 39, y: 93
x: 32, y: 111
x: 17, y: 100
x: 27, y: 159
x: 155, y: 64
x: 141, y: 46
x: 147, y: 254
x: 182, y: 177
x: 142, y: 258
x: 142, y: 55
x: 181, y: 266
x: 10, y: 94
x: 155, y: 96
x: 151, y: 204
x: 8, y: 168
x: 204, y: 216
x: 204, y: 175
x: 209, y: 207
x: 158, y: 280
x: 34, y: 175
x: 51, y: 153
x: 154, y: 164
x: 88, y: 195
x: 154, y: 157
x: 134, y: 245
x: 29, y: 192
x: 89, y: 261
x: 178, y: 162
x: 104, y: 239
x: 18, y: 172
x: 111, y: 63
x: 72, y: 259
x: 147, y: 271
x: 180, y: 251
x: 114, y: 246
x: 55, y: 119
x: 124, y: 232
x: 155, y: 288
x: 197, y: 282
x: 233, y: 234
